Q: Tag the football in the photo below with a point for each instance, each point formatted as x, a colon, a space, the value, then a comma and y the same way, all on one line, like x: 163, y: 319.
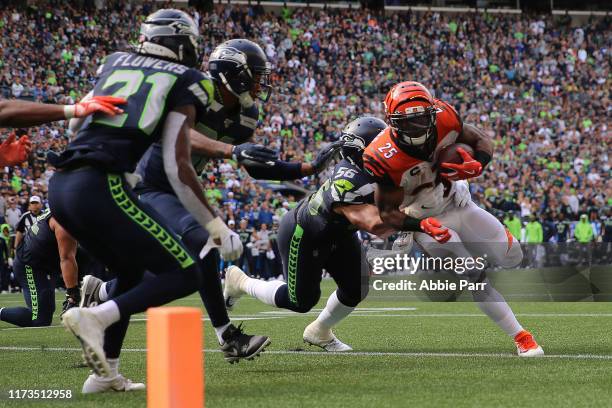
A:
x: 449, y: 154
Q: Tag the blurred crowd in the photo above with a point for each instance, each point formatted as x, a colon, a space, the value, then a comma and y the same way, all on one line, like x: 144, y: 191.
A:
x: 540, y: 85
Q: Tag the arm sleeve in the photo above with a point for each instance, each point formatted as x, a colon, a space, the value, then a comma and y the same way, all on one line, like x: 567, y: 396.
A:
x: 281, y: 170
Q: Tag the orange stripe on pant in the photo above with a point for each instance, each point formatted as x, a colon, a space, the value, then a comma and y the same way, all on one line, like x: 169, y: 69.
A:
x: 509, y: 237
x: 175, y: 360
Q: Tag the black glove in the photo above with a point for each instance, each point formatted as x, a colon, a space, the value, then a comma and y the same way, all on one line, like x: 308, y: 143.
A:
x: 254, y: 152
x: 326, y: 155
x: 73, y: 298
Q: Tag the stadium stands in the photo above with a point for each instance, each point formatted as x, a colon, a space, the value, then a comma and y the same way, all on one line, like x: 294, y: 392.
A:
x: 539, y: 84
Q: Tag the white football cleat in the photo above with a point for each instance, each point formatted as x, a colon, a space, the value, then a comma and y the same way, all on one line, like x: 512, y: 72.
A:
x: 87, y: 328
x: 235, y: 283
x: 526, y: 346
x: 90, y: 291
x: 315, y: 335
x: 95, y: 384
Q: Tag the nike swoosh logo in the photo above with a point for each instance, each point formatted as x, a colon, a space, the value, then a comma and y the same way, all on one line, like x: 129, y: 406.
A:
x: 469, y: 173
x: 426, y: 208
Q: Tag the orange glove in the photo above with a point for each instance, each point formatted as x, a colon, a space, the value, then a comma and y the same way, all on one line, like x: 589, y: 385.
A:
x: 468, y: 169
x: 102, y: 104
x: 14, y: 152
x: 432, y: 227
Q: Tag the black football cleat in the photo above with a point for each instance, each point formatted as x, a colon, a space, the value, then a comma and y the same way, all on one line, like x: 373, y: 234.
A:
x: 238, y: 345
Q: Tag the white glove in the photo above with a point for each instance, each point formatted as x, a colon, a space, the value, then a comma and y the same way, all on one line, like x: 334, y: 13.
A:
x: 428, y: 202
x: 462, y: 193
x: 227, y: 240
x: 132, y: 178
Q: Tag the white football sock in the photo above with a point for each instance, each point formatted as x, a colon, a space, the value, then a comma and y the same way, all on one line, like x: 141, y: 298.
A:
x: 114, y: 366
x: 493, y: 304
x: 102, y: 293
x: 219, y: 331
x: 334, y: 312
x: 107, y: 313
x: 264, y: 291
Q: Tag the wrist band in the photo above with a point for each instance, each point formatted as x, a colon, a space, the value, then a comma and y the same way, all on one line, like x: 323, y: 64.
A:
x: 69, y: 111
x: 411, y: 224
x: 483, y: 157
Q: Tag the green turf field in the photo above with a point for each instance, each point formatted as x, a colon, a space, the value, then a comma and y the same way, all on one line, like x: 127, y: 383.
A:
x: 412, y: 354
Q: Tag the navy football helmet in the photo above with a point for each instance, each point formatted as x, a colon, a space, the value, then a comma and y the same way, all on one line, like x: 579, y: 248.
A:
x: 170, y: 34
x: 243, y: 68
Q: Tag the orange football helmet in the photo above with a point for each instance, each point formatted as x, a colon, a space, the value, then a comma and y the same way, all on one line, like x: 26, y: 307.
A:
x: 411, y: 113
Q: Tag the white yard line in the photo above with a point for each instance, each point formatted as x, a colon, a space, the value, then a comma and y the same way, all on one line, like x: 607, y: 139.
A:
x: 350, y: 354
x: 285, y: 314
x: 372, y: 313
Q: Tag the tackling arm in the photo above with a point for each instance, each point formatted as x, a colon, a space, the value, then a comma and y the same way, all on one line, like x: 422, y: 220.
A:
x: 277, y: 170
x: 388, y: 200
x: 365, y: 217
x: 283, y: 170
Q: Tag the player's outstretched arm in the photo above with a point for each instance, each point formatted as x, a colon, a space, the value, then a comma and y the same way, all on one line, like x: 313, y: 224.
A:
x: 284, y: 170
x: 365, y: 217
x: 176, y: 149
x: 219, y: 150
x: 14, y: 113
x: 388, y: 200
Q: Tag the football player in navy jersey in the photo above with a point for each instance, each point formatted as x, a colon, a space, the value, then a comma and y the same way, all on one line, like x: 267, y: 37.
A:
x: 240, y: 72
x: 90, y: 196
x: 321, y: 233
x: 45, y: 251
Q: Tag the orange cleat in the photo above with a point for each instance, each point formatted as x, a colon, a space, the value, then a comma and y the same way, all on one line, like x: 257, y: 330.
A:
x: 526, y: 346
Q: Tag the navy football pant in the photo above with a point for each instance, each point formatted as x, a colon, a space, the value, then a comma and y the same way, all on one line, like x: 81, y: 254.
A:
x: 304, y: 258
x: 194, y: 236
x: 38, y: 288
x: 105, y: 216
